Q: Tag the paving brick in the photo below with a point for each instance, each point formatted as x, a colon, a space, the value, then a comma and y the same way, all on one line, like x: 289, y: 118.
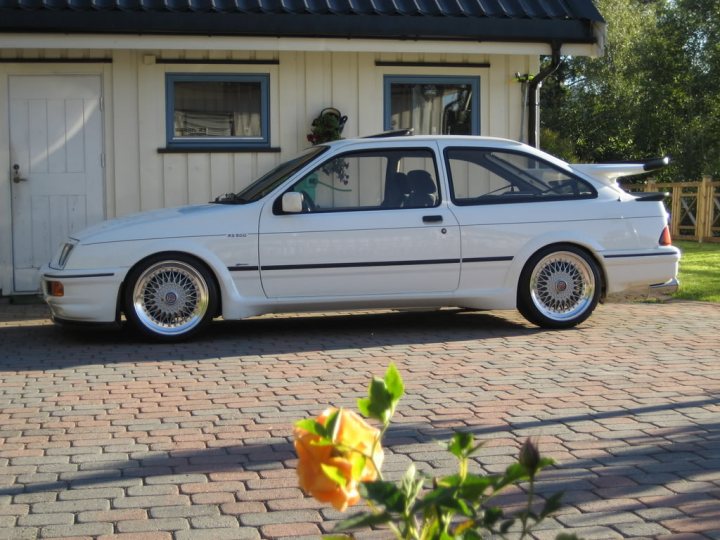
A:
x: 148, y: 525
x: 185, y: 511
x: 240, y: 533
x: 111, y: 516
x: 84, y: 529
x: 18, y: 533
x: 201, y: 433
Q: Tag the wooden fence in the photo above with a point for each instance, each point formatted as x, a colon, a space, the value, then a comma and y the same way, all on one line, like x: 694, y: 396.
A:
x: 694, y: 207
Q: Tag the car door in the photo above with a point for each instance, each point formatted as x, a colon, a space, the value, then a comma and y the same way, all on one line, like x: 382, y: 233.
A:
x: 505, y: 198
x: 373, y: 222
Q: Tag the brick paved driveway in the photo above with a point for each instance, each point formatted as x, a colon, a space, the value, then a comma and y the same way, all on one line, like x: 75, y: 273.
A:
x: 103, y: 435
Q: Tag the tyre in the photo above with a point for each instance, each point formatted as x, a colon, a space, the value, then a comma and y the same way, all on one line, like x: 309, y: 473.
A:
x: 169, y: 297
x: 559, y: 287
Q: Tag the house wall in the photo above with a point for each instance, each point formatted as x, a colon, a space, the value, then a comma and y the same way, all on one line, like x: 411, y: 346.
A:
x: 139, y: 177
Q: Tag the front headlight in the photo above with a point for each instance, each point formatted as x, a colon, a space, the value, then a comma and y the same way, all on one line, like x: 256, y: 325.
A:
x: 64, y: 254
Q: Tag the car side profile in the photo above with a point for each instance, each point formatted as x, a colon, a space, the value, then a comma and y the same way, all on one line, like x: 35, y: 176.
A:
x: 383, y: 222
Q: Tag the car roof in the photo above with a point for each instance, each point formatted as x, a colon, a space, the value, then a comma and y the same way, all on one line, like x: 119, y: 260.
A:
x: 382, y: 139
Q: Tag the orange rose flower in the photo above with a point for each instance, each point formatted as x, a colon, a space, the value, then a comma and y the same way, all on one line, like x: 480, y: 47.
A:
x: 353, y: 437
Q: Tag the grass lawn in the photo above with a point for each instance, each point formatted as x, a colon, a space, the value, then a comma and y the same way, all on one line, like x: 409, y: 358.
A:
x: 699, y: 271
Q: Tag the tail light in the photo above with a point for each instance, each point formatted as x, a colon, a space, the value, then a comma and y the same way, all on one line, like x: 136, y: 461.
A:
x: 665, y: 239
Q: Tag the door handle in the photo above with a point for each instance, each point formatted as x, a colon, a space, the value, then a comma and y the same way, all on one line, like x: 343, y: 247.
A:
x: 432, y: 219
x: 16, y: 174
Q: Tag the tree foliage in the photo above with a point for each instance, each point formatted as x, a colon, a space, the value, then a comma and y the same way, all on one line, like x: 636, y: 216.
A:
x: 656, y: 91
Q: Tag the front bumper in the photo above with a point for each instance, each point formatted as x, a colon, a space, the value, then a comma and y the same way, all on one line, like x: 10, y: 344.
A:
x: 89, y: 297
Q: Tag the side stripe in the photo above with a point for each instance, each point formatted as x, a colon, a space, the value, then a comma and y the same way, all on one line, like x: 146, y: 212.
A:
x: 364, y: 264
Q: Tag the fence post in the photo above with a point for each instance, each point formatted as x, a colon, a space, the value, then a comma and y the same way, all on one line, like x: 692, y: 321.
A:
x: 650, y: 186
x: 704, y: 207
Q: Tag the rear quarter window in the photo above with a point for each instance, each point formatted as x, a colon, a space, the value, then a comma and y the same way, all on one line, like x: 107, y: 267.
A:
x: 490, y: 176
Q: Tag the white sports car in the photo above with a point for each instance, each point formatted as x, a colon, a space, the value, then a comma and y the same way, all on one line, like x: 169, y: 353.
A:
x: 379, y: 222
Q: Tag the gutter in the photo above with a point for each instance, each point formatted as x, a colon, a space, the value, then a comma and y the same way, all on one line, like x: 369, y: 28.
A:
x: 534, y: 94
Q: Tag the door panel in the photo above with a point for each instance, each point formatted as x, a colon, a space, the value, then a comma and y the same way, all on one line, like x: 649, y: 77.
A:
x: 56, y: 141
x: 372, y: 223
x: 359, y: 253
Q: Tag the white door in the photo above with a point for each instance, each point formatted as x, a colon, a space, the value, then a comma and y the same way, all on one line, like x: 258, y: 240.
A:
x: 373, y: 223
x: 56, y: 166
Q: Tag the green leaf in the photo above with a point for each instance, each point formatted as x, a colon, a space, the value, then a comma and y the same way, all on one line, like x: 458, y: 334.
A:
x: 394, y: 382
x: 311, y: 426
x: 384, y: 493
x: 334, y: 474
x: 513, y: 474
x: 551, y: 505
x: 471, y: 535
x: 440, y: 496
x: 363, y: 405
x: 358, y: 465
x: 331, y: 425
x: 383, y: 396
x: 461, y: 444
x: 492, y: 515
x: 379, y: 403
x: 411, y: 486
x: 566, y: 536
x: 475, y: 486
x: 363, y: 519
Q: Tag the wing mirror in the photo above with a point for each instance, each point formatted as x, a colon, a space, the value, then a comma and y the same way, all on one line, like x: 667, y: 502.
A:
x: 292, y: 202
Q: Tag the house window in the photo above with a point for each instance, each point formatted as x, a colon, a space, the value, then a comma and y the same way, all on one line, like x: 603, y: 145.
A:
x: 433, y: 105
x: 217, y: 110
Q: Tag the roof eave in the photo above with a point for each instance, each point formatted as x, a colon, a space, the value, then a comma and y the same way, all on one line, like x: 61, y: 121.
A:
x: 301, y: 26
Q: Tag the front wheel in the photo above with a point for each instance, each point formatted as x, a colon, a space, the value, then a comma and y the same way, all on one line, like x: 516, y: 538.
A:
x: 169, y: 297
x: 559, y: 287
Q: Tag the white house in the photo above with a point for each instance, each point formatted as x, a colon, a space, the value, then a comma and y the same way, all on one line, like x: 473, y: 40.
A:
x: 109, y: 107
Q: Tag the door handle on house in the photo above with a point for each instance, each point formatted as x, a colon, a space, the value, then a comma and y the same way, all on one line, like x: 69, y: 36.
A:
x: 16, y: 174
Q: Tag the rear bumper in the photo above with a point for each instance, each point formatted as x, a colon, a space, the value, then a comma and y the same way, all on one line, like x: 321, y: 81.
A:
x: 658, y: 291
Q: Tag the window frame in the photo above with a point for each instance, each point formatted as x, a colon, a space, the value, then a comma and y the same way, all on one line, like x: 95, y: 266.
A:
x: 520, y: 198
x: 175, y: 142
x: 277, y: 207
x: 473, y: 80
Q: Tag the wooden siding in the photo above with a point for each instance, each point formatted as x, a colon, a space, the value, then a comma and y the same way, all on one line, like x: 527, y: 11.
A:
x: 301, y: 84
x: 138, y: 177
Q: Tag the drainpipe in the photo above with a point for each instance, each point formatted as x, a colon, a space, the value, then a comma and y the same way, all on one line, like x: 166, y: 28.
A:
x: 534, y: 91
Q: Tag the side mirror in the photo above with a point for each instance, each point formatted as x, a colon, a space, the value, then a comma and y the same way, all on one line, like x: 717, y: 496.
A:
x: 292, y: 202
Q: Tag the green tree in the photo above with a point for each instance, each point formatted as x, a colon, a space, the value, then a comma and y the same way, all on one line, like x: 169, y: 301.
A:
x: 656, y: 91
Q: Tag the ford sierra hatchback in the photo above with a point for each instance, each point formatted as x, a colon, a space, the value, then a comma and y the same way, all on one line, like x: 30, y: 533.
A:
x: 383, y: 222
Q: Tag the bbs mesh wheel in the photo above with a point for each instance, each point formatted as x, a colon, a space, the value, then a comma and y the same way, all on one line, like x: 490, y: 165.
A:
x: 170, y: 297
x: 559, y: 287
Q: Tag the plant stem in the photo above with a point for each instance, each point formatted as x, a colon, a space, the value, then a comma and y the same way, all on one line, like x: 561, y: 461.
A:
x: 526, y: 515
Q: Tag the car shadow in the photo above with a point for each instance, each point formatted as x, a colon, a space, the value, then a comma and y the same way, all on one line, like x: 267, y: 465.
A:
x: 25, y: 346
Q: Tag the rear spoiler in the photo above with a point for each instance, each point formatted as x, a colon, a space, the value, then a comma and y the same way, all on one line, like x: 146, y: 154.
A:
x: 608, y: 173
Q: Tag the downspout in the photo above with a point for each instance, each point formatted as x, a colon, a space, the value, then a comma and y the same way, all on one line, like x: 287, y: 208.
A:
x: 534, y: 91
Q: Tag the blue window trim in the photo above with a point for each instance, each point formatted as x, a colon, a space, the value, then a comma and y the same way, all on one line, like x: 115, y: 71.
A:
x: 217, y: 142
x: 389, y: 80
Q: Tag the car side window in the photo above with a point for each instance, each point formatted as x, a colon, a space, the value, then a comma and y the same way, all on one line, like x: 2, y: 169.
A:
x: 488, y: 176
x: 367, y: 180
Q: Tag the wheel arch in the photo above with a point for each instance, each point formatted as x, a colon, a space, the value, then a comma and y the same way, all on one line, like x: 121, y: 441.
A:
x: 219, y: 284
x: 589, y: 248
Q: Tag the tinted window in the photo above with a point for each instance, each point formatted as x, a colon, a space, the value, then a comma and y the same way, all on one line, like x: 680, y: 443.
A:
x: 372, y: 180
x: 485, y: 176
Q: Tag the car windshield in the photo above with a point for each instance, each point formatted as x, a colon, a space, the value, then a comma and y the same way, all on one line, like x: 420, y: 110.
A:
x: 267, y: 183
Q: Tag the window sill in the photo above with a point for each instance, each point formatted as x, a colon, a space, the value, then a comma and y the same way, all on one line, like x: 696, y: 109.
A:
x: 218, y: 150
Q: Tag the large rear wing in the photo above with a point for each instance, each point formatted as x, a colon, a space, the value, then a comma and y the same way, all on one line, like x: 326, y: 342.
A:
x: 608, y: 173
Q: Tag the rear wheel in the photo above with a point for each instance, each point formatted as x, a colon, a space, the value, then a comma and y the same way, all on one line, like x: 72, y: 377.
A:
x: 170, y: 297
x: 559, y: 287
